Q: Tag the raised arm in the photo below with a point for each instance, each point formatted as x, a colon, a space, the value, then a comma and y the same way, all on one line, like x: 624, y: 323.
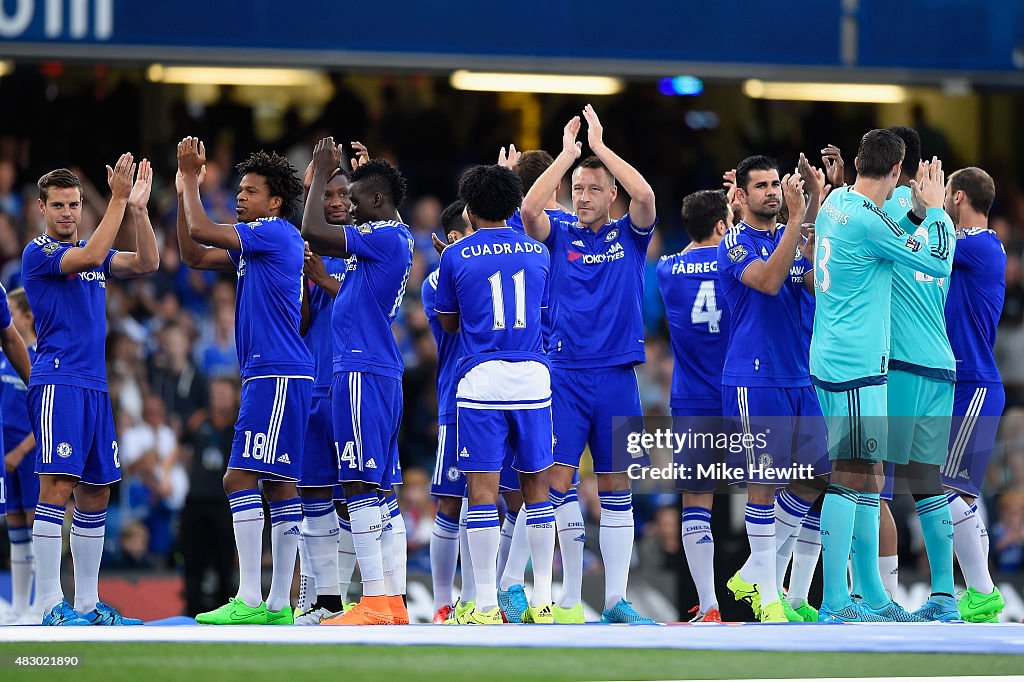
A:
x: 535, y: 220
x: 194, y: 254
x: 642, y: 210
x: 146, y: 257
x: 896, y: 241
x: 814, y: 184
x: 95, y: 251
x: 769, y: 276
x: 191, y: 160
x: 323, y: 237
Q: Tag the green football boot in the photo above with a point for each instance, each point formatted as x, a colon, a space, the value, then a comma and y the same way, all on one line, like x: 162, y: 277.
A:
x: 570, y: 616
x: 745, y: 592
x: 978, y: 607
x: 236, y: 612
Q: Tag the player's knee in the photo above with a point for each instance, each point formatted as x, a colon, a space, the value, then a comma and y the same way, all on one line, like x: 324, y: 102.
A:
x: 560, y: 477
x: 449, y: 506
x: 924, y: 479
x: 613, y: 482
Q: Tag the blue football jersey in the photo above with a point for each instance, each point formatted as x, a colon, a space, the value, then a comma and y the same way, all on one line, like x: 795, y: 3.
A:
x: 268, y: 300
x: 976, y: 291
x: 516, y: 220
x: 367, y: 304
x: 766, y: 344
x: 497, y: 281
x: 318, y: 337
x: 449, y: 352
x: 597, y: 287
x: 14, y: 401
x: 71, y: 316
x: 698, y: 325
x: 5, y: 310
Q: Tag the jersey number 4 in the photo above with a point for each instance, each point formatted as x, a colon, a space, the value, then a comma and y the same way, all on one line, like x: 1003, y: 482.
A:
x: 705, y: 307
x: 498, y: 300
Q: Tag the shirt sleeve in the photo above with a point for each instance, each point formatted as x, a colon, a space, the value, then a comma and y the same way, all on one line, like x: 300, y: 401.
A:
x: 555, y: 233
x: 380, y: 245
x: 428, y: 294
x: 735, y: 254
x: 106, y: 263
x: 260, y: 236
x: 42, y: 261
x: 641, y: 234
x: 5, y: 309
x: 545, y: 299
x: 891, y: 240
x: 445, y: 300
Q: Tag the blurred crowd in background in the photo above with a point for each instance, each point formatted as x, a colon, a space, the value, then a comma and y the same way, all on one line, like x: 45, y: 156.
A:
x: 173, y: 372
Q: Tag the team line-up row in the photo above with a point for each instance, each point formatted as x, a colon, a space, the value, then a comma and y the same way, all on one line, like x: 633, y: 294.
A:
x: 537, y: 315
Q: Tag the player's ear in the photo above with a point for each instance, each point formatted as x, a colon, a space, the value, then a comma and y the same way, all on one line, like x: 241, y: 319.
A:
x: 275, y: 203
x: 378, y: 199
x: 856, y: 163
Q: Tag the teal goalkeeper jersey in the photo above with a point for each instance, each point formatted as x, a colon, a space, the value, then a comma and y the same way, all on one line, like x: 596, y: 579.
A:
x: 856, y: 246
x: 919, y: 343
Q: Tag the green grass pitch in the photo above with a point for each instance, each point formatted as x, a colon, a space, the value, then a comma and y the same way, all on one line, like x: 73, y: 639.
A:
x: 117, y: 662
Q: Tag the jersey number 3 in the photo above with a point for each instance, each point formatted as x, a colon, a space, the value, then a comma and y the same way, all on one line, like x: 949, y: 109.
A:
x: 705, y: 307
x: 822, y: 264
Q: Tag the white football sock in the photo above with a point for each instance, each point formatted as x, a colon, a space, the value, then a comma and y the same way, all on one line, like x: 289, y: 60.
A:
x: 616, y: 543
x: 444, y: 555
x: 699, y: 546
x: 285, y: 519
x: 46, y: 540
x: 572, y: 535
x: 367, y: 529
x: 87, y: 530
x: 968, y: 546
x: 760, y: 567
x: 540, y: 532
x: 247, y: 521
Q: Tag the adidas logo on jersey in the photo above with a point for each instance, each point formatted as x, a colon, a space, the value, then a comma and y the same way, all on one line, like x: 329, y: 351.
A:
x: 964, y: 474
x: 464, y: 453
x: 577, y: 242
x: 371, y: 464
x: 283, y: 459
x: 294, y: 530
x: 705, y: 540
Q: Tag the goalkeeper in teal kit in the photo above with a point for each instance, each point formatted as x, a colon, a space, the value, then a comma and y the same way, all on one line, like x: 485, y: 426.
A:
x: 856, y: 247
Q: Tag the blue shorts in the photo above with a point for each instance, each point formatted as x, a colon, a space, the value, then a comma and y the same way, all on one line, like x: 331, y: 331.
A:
x: 890, y: 482
x: 395, y: 478
x: 583, y: 404
x: 367, y: 411
x: 784, y: 428
x: 22, y: 484
x: 485, y: 435
x: 976, y: 410
x: 271, y: 428
x: 697, y: 421
x: 509, y: 479
x: 319, y: 459
x: 448, y: 481
x: 81, y: 441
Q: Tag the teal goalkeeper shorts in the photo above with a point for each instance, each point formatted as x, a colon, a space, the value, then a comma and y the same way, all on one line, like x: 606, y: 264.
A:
x: 920, y: 415
x: 856, y: 422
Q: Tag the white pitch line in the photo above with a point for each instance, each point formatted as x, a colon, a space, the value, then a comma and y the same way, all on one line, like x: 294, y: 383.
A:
x: 891, y: 638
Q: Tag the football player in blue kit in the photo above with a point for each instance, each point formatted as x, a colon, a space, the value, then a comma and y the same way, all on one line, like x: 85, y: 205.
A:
x: 491, y: 288
x: 65, y: 280
x: 22, y: 487
x: 366, y: 390
x: 596, y: 338
x: 326, y: 531
x: 698, y: 322
x: 266, y: 252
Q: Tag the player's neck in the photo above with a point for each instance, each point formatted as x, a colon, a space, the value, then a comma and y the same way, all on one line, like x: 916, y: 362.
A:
x: 969, y: 218
x: 763, y: 223
x: 597, y: 225
x: 873, y: 188
x: 493, y: 224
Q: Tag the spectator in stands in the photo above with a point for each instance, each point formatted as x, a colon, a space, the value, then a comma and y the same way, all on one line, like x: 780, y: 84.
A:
x: 206, y: 537
x: 175, y: 378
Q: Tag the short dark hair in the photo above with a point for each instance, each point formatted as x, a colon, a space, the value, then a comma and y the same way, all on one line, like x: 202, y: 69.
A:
x: 530, y: 166
x: 701, y: 212
x: 451, y: 217
x: 19, y: 299
x: 491, y: 192
x: 383, y: 177
x: 880, y: 149
x: 61, y: 178
x: 594, y: 162
x: 758, y: 162
x: 977, y: 186
x: 281, y: 176
x: 912, y: 153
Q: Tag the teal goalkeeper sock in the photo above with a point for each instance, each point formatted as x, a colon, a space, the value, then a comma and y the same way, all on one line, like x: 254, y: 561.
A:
x: 865, y: 552
x: 937, y: 527
x: 837, y: 519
